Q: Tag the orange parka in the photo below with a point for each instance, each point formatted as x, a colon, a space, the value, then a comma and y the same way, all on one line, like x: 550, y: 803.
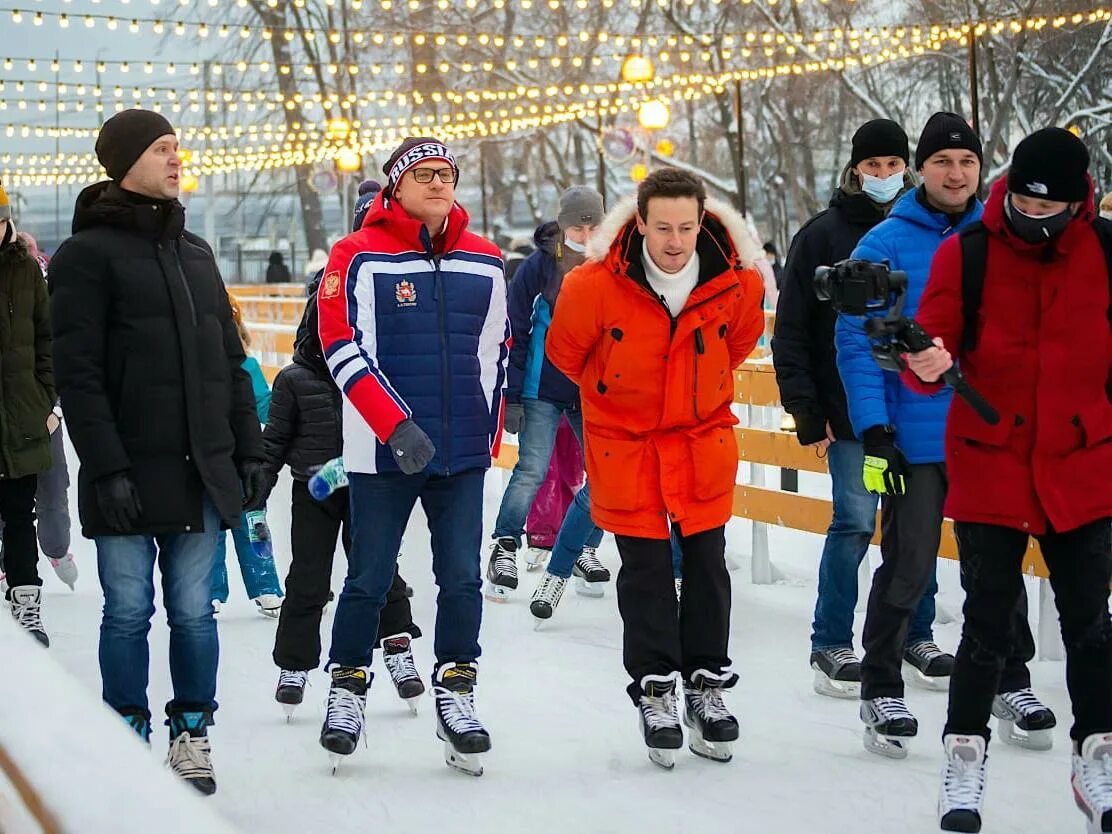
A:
x: 657, y: 391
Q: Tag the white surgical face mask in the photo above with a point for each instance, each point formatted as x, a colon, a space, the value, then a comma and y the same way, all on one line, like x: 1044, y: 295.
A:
x: 882, y: 190
x: 1107, y: 215
x: 575, y: 247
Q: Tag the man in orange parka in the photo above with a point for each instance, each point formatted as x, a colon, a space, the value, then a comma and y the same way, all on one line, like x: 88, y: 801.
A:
x: 651, y: 328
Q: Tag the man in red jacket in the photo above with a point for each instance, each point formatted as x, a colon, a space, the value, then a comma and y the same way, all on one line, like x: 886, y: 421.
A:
x: 1041, y: 352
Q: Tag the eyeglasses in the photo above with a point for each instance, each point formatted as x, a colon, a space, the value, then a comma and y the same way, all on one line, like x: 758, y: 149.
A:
x: 425, y: 175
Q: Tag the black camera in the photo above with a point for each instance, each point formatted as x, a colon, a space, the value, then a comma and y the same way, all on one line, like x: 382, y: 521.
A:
x: 858, y: 287
x: 863, y: 288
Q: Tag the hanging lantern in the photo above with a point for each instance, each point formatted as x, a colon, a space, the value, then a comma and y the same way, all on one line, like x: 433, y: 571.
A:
x: 348, y: 160
x: 637, y: 69
x: 654, y: 115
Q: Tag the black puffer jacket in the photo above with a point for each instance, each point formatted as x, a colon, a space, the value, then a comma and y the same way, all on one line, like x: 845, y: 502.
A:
x: 305, y: 426
x: 803, y: 340
x: 148, y: 362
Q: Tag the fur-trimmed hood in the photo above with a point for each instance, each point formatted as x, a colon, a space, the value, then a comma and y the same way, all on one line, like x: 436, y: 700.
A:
x: 746, y: 248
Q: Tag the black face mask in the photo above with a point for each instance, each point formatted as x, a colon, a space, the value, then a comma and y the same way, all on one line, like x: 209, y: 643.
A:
x: 1036, y: 229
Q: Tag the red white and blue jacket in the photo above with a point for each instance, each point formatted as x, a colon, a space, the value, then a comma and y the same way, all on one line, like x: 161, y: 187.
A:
x: 414, y: 327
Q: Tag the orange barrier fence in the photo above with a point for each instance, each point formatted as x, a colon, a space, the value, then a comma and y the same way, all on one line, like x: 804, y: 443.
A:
x: 272, y: 322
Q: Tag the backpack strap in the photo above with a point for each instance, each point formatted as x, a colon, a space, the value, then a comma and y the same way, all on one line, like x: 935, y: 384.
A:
x: 1103, y: 228
x: 973, y: 240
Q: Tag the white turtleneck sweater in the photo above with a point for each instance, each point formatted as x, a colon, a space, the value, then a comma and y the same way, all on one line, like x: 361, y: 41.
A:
x: 673, y: 288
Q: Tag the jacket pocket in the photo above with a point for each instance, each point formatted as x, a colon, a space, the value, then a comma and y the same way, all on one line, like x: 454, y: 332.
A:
x: 714, y: 463
x: 1095, y: 422
x: 975, y: 432
x: 616, y: 469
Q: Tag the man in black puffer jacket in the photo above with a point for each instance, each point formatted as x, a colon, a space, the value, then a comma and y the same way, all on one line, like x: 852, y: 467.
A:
x: 148, y: 363
x: 304, y: 431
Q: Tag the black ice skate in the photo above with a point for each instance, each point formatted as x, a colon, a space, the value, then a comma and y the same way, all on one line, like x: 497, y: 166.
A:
x: 189, y: 756
x: 397, y: 653
x: 713, y: 728
x: 837, y: 673
x: 457, y: 725
x: 889, y: 725
x: 590, y: 574
x: 291, y: 690
x: 501, y: 570
x: 658, y: 712
x: 927, y: 666
x: 963, y: 784
x: 1025, y: 721
x: 547, y: 597
x: 343, y: 719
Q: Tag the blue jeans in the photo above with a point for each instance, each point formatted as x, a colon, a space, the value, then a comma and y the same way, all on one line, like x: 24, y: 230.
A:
x: 256, y: 564
x: 125, y: 565
x: 534, y: 451
x: 847, y: 542
x: 576, y: 532
x: 380, y: 509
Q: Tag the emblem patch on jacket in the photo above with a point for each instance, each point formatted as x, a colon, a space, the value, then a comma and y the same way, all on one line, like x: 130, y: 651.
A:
x: 331, y: 285
x: 406, y: 294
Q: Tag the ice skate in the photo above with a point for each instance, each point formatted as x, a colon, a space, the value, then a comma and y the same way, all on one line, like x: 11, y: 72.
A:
x: 927, y: 666
x: 343, y: 719
x: 963, y: 784
x: 547, y: 596
x: 659, y: 719
x: 713, y: 728
x: 465, y: 739
x: 291, y: 690
x: 590, y: 574
x: 190, y: 756
x: 889, y: 726
x: 536, y: 557
x: 397, y: 654
x: 269, y: 605
x: 1092, y: 781
x: 837, y: 673
x: 1024, y: 720
x: 501, y: 570
x: 66, y: 570
x: 26, y: 604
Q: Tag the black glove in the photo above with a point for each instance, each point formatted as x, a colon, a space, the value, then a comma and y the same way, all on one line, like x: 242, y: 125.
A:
x: 118, y: 500
x: 886, y: 469
x: 256, y: 484
x: 809, y: 428
x: 411, y: 446
x: 511, y: 420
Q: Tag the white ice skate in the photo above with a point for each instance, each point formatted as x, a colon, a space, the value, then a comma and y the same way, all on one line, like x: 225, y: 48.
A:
x: 889, y: 727
x: 1092, y: 782
x: 535, y: 558
x: 1024, y: 720
x: 66, y: 570
x: 269, y: 605
x: 963, y: 784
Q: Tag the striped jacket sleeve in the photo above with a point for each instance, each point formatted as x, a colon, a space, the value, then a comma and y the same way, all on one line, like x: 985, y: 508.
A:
x: 346, y: 304
x: 494, y: 349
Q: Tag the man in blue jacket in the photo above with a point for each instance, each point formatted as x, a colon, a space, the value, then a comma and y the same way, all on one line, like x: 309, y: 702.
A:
x: 538, y: 394
x: 902, y: 434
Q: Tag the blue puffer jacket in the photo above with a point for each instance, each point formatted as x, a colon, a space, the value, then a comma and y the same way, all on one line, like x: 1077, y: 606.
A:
x: 908, y: 240
x: 531, y: 298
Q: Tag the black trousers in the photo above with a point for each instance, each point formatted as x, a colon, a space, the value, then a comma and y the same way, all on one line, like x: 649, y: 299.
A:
x: 315, y: 526
x: 658, y: 639
x: 911, y: 530
x: 21, y: 551
x: 1080, y: 565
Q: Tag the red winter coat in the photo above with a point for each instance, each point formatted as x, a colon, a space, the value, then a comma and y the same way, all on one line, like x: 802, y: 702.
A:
x: 656, y: 392
x: 1043, y: 359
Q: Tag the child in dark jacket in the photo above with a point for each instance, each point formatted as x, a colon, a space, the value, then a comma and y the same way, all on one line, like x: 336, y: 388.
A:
x: 304, y: 432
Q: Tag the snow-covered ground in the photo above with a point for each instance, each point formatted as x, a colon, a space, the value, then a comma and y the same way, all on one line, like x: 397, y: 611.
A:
x: 567, y: 754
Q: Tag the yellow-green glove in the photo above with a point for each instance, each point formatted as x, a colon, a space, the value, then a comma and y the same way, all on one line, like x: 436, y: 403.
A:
x: 886, y: 470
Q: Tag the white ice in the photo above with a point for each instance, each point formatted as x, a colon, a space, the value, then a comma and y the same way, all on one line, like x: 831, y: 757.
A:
x: 566, y: 754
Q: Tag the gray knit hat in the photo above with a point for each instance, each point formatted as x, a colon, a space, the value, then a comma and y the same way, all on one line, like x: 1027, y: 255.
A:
x: 580, y: 205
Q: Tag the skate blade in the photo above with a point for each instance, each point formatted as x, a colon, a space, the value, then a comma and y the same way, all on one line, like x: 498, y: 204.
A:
x: 888, y: 746
x: 831, y: 688
x: 1093, y: 818
x: 1039, y: 740
x: 334, y: 760
x: 496, y: 593
x: 538, y: 622
x: 288, y: 709
x: 662, y: 758
x: 915, y: 678
x: 593, y: 590
x: 412, y: 704
x: 469, y: 763
x: 716, y: 751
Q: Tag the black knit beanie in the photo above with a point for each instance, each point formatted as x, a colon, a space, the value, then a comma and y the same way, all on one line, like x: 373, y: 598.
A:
x: 126, y: 136
x: 1051, y: 164
x: 879, y: 137
x: 944, y: 132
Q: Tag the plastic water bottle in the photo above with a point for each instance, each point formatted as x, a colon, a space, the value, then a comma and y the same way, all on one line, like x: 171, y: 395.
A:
x: 257, y: 529
x: 329, y: 478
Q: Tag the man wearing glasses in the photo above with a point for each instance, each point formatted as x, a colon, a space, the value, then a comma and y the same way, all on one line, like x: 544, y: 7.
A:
x: 413, y: 325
